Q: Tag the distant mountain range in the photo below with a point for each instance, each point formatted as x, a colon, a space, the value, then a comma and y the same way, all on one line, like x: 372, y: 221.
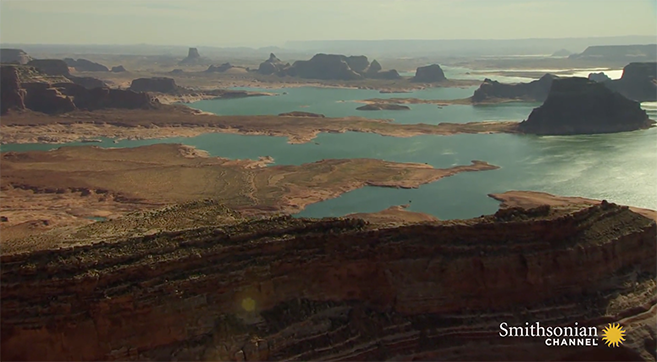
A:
x: 464, y: 47
x: 373, y: 48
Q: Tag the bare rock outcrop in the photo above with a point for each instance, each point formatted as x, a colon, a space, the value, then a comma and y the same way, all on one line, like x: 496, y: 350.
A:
x: 581, y: 106
x: 43, y: 97
x: 13, y: 95
x: 102, y: 98
x: 328, y: 67
x: 639, y: 82
x: 273, y: 65
x: 193, y: 58
x: 535, y: 91
x: 87, y: 82
x: 599, y: 77
x: 14, y: 56
x: 51, y: 66
x: 84, y: 65
x: 118, y: 69
x: 221, y: 68
x: 155, y: 84
x: 64, y: 96
x: 339, y: 289
x: 429, y: 74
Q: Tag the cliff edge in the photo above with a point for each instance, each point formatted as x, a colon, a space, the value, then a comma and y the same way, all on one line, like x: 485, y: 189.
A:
x: 338, y: 289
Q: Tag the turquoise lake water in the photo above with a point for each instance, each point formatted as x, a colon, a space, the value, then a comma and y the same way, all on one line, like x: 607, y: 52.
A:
x: 621, y: 167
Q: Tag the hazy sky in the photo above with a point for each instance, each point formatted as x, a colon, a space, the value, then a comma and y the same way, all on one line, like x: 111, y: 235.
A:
x: 273, y: 22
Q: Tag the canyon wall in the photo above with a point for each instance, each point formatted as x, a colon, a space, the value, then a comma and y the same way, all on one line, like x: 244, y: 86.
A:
x: 339, y: 289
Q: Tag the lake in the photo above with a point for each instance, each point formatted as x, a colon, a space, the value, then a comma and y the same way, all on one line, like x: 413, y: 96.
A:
x: 620, y: 168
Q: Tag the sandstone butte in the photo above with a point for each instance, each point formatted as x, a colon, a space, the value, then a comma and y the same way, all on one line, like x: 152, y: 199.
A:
x: 238, y: 289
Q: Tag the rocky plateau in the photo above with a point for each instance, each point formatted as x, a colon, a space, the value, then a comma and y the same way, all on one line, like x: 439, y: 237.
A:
x: 282, y: 288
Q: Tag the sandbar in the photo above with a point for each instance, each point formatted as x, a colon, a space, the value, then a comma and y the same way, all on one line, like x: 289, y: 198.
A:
x: 180, y: 121
x: 80, y: 182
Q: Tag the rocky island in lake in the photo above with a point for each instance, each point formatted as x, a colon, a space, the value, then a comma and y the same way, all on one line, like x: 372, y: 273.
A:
x: 582, y: 106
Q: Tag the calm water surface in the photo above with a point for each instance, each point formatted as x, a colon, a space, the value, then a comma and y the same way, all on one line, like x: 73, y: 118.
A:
x: 620, y: 167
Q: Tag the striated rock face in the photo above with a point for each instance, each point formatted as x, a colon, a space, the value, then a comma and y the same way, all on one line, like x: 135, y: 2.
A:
x: 581, y: 106
x: 429, y: 74
x: 599, y: 77
x: 42, y: 97
x: 51, y: 66
x: 536, y: 91
x: 13, y: 96
x: 639, y: 82
x: 15, y: 56
x: 156, y: 84
x: 57, y: 98
x: 222, y: 68
x: 84, y: 65
x: 338, y: 289
x: 118, y: 69
x: 101, y: 98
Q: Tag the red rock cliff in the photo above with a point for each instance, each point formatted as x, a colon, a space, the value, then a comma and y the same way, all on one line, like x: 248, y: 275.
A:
x: 333, y: 289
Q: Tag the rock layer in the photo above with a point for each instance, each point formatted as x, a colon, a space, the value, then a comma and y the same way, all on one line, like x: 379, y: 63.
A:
x: 155, y: 84
x: 50, y: 66
x: 13, y: 95
x: 337, y: 289
x: 536, y: 91
x: 84, y: 65
x: 16, y: 56
x: 581, y: 106
x: 62, y: 97
x: 639, y: 82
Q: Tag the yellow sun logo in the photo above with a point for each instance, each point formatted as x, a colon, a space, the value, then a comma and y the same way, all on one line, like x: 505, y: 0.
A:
x: 613, y: 335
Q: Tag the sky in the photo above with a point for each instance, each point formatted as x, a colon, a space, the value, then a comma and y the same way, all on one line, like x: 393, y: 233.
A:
x: 259, y: 23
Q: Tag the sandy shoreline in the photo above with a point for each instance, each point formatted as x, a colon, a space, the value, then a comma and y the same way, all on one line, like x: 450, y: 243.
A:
x: 135, y: 125
x: 42, y: 190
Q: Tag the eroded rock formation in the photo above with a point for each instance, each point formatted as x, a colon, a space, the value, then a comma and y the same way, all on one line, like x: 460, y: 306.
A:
x: 193, y: 58
x: 429, y: 74
x: 535, y: 91
x: 581, y: 106
x: 15, y: 56
x: 155, y: 84
x: 84, y: 65
x: 61, y: 97
x: 328, y: 67
x: 51, y: 66
x: 599, y: 77
x: 338, y: 289
x: 639, y: 82
x: 273, y: 65
x: 118, y: 69
x: 221, y: 68
x: 13, y: 96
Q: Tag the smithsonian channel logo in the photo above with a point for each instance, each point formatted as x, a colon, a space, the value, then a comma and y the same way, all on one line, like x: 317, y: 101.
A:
x: 613, y: 335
